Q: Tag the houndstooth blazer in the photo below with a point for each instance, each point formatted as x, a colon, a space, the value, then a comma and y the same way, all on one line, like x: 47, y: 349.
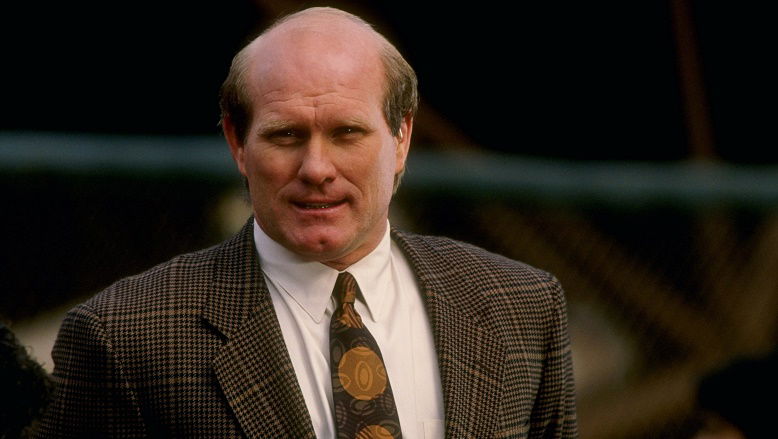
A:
x: 192, y: 348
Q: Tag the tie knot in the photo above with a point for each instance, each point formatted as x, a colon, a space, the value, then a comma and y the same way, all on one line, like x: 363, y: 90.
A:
x: 346, y: 288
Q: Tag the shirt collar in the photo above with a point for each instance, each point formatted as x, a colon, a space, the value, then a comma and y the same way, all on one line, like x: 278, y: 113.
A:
x: 310, y: 284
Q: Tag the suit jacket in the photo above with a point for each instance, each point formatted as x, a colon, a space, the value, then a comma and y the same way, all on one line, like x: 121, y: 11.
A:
x: 192, y: 348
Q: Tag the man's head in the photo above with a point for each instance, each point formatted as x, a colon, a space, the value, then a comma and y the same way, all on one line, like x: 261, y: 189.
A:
x: 318, y: 112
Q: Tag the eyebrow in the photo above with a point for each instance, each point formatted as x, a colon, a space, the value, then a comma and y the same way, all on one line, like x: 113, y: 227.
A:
x: 275, y: 125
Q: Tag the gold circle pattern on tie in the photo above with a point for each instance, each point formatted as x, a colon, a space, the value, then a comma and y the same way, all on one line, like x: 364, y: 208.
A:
x: 364, y: 403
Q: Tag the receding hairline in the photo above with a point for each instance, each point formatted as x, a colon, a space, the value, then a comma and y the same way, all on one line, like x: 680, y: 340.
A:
x: 322, y: 12
x: 383, y: 47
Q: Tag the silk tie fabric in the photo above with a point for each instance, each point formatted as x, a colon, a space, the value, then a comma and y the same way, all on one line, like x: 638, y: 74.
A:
x: 362, y: 395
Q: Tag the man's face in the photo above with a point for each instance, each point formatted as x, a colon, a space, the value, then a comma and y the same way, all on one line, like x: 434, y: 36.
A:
x: 319, y: 156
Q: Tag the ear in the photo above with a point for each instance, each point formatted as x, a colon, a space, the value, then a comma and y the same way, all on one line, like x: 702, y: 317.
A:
x: 236, y: 144
x: 403, y: 139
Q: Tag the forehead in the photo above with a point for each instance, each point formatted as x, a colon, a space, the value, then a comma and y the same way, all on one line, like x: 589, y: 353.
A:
x: 311, y: 57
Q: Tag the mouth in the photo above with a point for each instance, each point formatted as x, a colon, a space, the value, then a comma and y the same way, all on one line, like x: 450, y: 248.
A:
x: 318, y: 205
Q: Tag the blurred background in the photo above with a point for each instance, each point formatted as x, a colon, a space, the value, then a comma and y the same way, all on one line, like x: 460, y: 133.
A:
x: 627, y: 147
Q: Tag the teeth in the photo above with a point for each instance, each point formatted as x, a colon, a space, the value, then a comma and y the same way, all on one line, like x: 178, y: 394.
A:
x: 317, y: 205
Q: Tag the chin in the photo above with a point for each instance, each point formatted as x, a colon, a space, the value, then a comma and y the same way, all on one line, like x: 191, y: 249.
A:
x: 321, y: 248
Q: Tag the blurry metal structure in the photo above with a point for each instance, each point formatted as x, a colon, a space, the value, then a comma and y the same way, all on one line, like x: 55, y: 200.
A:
x: 700, y: 131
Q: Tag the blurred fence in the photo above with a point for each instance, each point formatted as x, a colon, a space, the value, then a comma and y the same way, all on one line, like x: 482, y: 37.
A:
x: 462, y: 173
x: 670, y: 269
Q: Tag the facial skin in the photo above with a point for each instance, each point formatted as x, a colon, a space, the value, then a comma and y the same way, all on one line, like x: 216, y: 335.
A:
x: 319, y: 157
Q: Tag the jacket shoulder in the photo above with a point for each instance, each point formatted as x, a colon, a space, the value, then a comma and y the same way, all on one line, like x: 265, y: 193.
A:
x: 160, y: 283
x: 445, y: 254
x: 481, y: 280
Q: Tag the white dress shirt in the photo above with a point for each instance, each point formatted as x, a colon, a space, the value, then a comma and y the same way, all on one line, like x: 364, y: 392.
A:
x: 393, y: 312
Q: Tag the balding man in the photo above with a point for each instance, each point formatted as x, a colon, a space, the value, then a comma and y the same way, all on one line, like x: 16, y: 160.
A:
x: 318, y: 319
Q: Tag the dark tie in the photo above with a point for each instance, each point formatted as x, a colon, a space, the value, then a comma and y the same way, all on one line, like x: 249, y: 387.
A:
x: 364, y: 405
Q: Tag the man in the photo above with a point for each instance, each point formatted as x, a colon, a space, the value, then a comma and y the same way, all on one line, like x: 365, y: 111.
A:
x: 237, y: 340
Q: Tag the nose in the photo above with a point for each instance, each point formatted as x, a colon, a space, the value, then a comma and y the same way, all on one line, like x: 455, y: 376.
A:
x: 316, y: 166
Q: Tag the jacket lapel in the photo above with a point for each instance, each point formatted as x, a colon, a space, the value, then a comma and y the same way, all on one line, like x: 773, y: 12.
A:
x: 253, y: 367
x: 470, y: 356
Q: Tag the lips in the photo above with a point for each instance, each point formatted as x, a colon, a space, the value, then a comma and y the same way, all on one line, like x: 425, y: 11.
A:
x: 318, y: 205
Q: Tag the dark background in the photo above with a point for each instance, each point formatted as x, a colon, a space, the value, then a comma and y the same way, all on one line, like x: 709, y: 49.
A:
x: 579, y: 80
x: 665, y: 291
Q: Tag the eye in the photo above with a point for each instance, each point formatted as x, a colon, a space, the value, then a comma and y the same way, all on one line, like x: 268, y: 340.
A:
x: 284, y: 136
x: 349, y: 133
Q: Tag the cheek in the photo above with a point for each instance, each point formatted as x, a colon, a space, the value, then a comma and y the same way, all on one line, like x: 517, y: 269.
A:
x: 267, y: 168
x: 383, y: 171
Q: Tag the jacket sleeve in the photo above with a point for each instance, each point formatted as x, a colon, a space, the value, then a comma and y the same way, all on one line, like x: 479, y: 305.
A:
x: 553, y: 414
x: 92, y: 398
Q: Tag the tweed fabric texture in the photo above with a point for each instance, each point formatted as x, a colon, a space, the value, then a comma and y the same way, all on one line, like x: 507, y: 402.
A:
x: 361, y: 391
x: 192, y: 348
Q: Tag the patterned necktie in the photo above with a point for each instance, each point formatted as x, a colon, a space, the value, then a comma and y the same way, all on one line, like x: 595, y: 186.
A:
x: 364, y: 404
